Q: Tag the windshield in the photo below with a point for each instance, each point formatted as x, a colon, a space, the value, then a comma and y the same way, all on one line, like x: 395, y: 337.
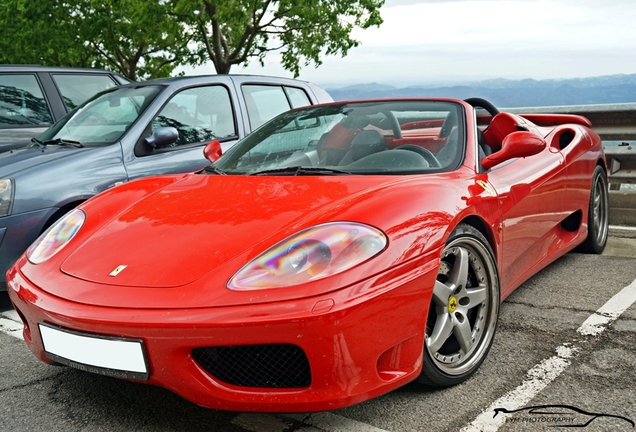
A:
x: 384, y: 137
x: 103, y: 119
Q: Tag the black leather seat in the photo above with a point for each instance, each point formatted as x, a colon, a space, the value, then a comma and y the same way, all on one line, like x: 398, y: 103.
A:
x: 365, y: 143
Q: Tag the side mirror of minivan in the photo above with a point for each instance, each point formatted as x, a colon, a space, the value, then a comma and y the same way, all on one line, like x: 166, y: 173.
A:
x: 162, y: 136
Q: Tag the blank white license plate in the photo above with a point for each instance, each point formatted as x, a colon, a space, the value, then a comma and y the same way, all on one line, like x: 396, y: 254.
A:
x: 95, y: 353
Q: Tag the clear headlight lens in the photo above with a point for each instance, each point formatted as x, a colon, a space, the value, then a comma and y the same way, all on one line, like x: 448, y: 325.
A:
x: 56, y: 237
x: 6, y: 196
x: 310, y: 255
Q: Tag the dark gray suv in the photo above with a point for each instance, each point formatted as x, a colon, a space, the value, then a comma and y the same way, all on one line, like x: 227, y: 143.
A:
x: 32, y: 98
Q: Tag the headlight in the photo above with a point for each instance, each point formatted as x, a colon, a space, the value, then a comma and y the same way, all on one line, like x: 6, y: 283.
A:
x: 6, y: 196
x: 56, y: 237
x: 310, y: 255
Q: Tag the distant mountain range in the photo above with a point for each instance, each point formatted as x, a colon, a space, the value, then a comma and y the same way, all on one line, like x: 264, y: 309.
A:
x: 510, y: 93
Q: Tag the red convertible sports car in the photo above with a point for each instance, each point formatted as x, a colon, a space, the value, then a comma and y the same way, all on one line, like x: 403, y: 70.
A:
x: 338, y: 252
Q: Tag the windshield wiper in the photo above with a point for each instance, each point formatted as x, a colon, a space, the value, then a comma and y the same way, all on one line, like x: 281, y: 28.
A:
x: 38, y: 142
x: 63, y: 141
x: 301, y: 170
x: 211, y: 169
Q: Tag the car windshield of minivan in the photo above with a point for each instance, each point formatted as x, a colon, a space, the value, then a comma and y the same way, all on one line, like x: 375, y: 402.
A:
x: 101, y: 120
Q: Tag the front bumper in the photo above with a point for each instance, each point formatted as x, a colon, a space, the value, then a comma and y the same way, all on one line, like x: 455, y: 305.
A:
x: 356, y: 349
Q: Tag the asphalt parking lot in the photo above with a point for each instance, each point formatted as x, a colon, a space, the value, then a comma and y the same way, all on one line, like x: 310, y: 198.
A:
x: 564, y: 356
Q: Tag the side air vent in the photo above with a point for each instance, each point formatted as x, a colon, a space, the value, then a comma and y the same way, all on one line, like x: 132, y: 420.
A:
x: 565, y: 138
x: 573, y: 222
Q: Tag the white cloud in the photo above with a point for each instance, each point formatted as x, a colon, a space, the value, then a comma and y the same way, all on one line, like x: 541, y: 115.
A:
x: 424, y: 41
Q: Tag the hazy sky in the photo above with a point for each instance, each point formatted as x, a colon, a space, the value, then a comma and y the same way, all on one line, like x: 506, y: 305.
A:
x: 437, y: 40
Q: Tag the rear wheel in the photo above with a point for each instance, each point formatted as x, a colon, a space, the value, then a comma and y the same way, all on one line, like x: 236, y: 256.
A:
x: 463, y: 313
x: 598, y: 214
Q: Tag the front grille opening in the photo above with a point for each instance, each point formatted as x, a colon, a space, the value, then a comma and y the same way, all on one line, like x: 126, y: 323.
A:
x: 267, y: 365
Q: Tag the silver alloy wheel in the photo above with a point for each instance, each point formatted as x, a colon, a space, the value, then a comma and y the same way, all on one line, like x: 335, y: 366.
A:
x: 597, y: 215
x: 463, y: 314
x: 600, y: 209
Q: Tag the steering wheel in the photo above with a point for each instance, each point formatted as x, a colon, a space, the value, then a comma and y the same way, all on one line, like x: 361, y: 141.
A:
x: 430, y: 157
x: 483, y: 103
x: 395, y: 124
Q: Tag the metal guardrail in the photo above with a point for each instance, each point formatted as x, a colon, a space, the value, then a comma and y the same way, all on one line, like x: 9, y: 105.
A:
x: 613, y: 122
x: 621, y: 162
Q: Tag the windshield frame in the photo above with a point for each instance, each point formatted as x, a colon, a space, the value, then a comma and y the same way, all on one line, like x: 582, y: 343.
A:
x: 230, y: 161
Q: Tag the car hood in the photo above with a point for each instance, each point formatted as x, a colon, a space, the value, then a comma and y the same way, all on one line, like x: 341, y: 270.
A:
x: 14, y: 161
x: 182, y: 232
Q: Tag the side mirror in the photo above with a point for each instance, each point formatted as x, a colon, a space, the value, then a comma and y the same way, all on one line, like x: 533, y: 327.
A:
x: 212, y: 150
x: 515, y: 145
x: 162, y: 136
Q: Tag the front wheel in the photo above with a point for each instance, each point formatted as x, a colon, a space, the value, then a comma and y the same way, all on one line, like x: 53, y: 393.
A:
x: 464, y: 310
x: 598, y: 214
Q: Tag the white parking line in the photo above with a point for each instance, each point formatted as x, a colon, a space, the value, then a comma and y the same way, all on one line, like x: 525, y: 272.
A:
x: 12, y: 315
x: 11, y: 324
x: 611, y: 310
x: 548, y: 370
x: 622, y: 228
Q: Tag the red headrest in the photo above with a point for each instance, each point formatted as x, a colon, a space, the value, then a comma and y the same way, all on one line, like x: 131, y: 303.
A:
x: 501, y: 125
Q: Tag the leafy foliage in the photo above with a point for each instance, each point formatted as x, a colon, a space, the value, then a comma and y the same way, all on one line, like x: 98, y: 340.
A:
x: 150, y: 38
x: 40, y: 32
x: 139, y: 38
x: 235, y: 31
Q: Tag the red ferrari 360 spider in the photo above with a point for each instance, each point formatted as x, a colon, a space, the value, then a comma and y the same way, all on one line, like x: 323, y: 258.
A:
x: 340, y: 251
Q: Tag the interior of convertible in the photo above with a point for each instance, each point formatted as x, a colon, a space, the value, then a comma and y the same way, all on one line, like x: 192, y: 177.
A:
x: 363, y: 137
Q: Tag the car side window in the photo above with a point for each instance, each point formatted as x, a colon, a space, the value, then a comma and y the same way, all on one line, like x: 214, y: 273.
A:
x: 22, y: 102
x: 265, y: 102
x: 78, y: 88
x: 297, y: 97
x: 200, y: 115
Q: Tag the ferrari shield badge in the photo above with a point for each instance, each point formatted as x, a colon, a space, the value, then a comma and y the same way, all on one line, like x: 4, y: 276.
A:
x: 117, y: 270
x: 489, y: 190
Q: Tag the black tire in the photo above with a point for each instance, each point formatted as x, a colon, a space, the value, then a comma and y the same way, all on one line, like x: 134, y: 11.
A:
x: 464, y: 310
x: 598, y: 214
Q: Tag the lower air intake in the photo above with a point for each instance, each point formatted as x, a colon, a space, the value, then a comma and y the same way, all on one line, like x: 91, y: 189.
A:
x: 269, y: 366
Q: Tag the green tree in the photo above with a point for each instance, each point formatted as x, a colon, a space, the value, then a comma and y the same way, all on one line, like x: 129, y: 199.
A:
x: 150, y: 38
x: 231, y: 32
x: 41, y: 32
x: 138, y: 38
